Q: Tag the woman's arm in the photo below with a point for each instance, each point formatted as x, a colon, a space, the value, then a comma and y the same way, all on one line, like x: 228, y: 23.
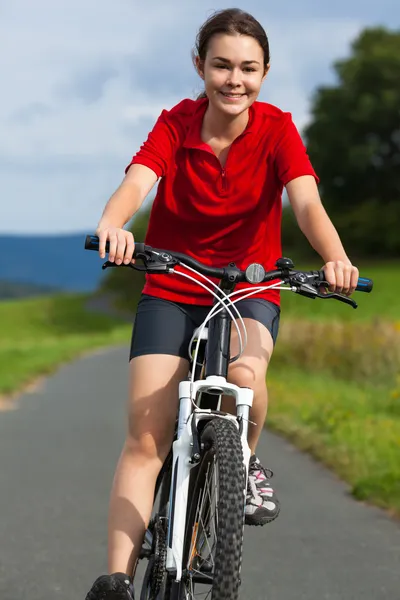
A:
x: 120, y: 208
x: 319, y: 230
x: 149, y: 164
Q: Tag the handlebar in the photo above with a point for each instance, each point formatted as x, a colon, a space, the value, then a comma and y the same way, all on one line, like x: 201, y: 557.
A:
x: 163, y: 261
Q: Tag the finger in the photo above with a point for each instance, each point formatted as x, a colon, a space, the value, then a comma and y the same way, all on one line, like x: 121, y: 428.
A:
x: 353, y: 280
x: 339, y: 277
x: 346, y: 279
x: 102, y: 243
x: 130, y: 247
x: 121, y: 245
x: 330, y: 276
x: 112, y: 236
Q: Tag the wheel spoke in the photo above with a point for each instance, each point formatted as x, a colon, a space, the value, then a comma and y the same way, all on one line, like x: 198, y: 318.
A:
x: 207, y: 523
x: 204, y: 527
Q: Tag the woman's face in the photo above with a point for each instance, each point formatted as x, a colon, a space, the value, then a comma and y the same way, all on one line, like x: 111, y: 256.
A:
x: 233, y: 72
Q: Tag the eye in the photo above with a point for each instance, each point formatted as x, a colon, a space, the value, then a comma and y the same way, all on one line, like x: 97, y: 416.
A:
x: 221, y: 66
x: 249, y: 69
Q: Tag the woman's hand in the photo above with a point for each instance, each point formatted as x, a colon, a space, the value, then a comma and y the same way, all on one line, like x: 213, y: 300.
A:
x: 121, y: 241
x: 342, y: 276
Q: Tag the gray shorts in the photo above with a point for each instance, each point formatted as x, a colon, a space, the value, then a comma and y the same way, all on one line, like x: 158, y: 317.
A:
x: 164, y: 327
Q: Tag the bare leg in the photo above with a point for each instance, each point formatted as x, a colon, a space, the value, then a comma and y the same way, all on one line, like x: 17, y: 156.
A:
x: 153, y: 402
x: 250, y: 371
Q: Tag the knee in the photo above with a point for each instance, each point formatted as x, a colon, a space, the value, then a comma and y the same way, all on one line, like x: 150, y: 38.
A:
x: 151, y: 443
x: 245, y: 376
x: 242, y: 377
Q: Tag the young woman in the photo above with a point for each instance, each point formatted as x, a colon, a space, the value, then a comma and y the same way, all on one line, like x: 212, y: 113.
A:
x: 222, y: 161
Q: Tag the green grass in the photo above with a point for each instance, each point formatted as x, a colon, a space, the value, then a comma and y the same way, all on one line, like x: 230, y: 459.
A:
x: 382, y: 302
x: 37, y: 335
x: 359, y: 352
x: 354, y: 430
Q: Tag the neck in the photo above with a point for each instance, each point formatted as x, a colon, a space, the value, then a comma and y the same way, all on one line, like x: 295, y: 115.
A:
x: 224, y: 126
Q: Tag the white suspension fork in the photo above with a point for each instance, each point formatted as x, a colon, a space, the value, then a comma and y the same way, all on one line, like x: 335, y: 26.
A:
x: 182, y: 449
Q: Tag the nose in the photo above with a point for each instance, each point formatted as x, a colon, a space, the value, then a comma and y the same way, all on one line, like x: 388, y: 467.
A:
x: 234, y: 78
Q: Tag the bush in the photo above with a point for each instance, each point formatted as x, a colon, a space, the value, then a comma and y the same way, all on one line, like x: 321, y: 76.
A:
x: 360, y: 352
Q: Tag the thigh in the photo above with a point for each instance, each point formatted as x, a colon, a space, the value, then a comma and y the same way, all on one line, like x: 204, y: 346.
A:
x: 251, y: 368
x: 161, y: 327
x: 158, y: 362
x: 153, y: 401
x: 264, y: 312
x: 261, y: 319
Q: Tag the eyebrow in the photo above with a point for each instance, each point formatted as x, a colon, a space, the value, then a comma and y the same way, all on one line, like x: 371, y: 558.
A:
x: 245, y: 62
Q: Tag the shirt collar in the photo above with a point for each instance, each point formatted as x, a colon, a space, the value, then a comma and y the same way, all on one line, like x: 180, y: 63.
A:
x: 193, y: 136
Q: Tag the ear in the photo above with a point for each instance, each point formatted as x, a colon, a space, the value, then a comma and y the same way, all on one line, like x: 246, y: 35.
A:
x: 200, y: 66
x: 266, y: 71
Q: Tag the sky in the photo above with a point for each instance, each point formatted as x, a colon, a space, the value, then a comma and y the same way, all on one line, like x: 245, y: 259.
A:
x: 83, y: 82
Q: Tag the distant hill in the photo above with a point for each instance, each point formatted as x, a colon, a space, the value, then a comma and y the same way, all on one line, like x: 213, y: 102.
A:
x: 58, y: 262
x: 10, y: 290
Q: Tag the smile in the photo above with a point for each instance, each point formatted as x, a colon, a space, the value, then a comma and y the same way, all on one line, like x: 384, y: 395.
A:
x: 233, y: 96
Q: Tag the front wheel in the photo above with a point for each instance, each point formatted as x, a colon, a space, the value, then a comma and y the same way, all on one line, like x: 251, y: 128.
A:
x: 215, y: 520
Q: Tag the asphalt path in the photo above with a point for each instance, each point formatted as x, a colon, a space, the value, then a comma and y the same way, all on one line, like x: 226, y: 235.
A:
x: 58, y: 450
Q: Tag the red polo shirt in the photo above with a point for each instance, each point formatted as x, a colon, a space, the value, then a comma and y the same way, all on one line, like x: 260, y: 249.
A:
x: 219, y: 215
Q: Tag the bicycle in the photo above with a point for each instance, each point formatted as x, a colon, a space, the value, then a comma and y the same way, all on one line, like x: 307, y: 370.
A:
x: 195, y: 535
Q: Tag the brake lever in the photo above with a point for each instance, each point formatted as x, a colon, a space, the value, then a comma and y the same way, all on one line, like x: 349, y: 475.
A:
x: 308, y: 290
x: 108, y: 264
x: 339, y: 297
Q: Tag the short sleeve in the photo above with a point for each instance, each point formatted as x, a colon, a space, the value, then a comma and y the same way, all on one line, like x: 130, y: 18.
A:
x: 291, y: 158
x: 157, y: 151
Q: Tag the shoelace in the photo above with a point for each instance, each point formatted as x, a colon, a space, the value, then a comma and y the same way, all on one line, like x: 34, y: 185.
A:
x: 268, y: 473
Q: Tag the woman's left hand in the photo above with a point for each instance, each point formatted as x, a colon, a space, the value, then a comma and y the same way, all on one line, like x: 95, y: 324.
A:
x: 342, y: 276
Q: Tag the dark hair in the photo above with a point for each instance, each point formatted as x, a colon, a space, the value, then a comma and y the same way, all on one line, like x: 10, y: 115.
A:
x: 230, y: 21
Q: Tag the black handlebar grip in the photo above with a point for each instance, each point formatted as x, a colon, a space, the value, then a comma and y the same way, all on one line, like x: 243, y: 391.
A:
x: 92, y: 243
x: 364, y: 284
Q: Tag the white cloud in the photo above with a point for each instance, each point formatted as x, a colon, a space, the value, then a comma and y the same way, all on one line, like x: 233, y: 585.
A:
x: 84, y: 82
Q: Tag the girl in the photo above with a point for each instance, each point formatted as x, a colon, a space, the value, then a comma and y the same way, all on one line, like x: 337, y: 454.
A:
x: 222, y: 161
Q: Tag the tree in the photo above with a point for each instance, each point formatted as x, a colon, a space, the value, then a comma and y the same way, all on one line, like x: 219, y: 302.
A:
x: 354, y: 144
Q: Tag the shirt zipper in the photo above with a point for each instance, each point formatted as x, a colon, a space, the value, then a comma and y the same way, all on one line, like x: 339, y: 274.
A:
x: 223, y: 169
x: 224, y: 182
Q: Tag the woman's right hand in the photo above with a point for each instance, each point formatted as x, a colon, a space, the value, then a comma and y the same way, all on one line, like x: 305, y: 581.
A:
x: 121, y: 242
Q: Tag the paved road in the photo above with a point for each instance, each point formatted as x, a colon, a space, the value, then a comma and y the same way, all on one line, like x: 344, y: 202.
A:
x: 58, y: 451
